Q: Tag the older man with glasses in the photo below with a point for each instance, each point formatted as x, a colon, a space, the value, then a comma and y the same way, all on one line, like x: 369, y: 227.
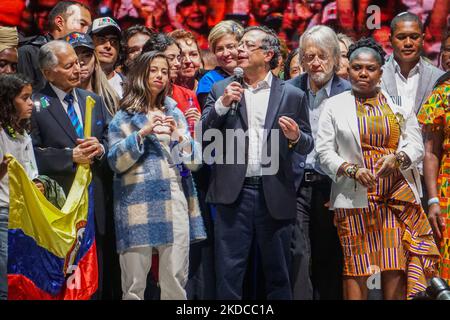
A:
x: 315, y: 244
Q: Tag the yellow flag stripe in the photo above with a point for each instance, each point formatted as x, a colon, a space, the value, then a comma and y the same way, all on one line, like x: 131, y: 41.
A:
x: 51, y: 228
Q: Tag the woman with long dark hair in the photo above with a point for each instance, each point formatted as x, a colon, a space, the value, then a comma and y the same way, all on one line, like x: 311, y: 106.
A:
x: 151, y: 152
x: 16, y: 107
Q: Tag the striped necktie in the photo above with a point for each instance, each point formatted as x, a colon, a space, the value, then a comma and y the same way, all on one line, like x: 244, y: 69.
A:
x: 73, y: 115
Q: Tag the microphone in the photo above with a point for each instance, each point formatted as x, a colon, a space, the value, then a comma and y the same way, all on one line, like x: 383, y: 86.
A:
x: 239, y: 75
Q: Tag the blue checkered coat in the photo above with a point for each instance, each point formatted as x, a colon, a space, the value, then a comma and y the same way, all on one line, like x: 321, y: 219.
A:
x: 142, y: 186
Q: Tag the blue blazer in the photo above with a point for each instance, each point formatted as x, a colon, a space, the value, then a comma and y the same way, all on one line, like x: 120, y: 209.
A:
x: 338, y: 85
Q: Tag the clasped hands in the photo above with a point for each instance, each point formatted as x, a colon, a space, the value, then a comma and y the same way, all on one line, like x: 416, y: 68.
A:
x: 388, y: 165
x: 86, y: 150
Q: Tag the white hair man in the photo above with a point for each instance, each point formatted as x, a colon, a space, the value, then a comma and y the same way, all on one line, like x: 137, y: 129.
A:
x: 57, y: 130
x: 319, y: 55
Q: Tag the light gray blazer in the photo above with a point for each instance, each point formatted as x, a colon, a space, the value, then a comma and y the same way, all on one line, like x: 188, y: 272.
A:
x: 338, y: 141
x: 429, y: 74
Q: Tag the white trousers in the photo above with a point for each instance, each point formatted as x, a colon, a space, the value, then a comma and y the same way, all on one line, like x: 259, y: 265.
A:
x: 135, y: 263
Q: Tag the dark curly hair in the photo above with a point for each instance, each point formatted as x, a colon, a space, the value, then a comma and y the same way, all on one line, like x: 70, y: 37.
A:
x: 362, y: 45
x: 11, y: 86
x: 159, y: 42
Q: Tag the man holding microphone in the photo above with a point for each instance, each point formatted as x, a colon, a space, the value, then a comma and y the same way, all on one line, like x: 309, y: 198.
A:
x: 261, y: 204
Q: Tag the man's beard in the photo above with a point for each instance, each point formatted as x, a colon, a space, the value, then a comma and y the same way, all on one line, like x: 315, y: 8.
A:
x: 320, y: 78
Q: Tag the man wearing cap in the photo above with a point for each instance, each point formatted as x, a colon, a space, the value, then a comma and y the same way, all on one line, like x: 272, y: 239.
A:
x: 106, y: 35
x: 57, y: 126
x: 8, y: 49
x: 65, y: 17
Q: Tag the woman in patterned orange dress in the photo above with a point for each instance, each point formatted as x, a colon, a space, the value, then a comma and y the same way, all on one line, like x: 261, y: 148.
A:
x: 370, y: 147
x: 435, y: 117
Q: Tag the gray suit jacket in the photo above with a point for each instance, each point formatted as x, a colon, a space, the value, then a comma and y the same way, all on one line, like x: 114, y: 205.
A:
x: 428, y: 76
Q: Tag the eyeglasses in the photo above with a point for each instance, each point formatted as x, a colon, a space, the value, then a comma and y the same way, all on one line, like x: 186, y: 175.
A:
x: 309, y: 58
x: 248, y: 46
x: 113, y: 40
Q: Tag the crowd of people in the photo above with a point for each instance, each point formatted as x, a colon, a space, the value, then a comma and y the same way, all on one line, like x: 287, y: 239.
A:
x: 342, y: 172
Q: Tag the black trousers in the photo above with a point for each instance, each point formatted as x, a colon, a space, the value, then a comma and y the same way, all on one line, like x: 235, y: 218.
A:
x: 201, y: 284
x: 236, y: 227
x: 316, y: 250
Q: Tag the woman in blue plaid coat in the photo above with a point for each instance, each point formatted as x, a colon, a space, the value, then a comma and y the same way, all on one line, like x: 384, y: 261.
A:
x: 155, y: 202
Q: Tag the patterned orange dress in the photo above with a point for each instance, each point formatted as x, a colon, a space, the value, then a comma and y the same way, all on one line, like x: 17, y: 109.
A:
x: 393, y: 233
x: 435, y: 115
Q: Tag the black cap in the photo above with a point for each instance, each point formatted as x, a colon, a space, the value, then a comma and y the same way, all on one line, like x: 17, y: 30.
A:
x: 78, y: 39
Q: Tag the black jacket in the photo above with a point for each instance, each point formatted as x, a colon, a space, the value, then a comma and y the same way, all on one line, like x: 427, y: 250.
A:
x: 29, y: 60
x: 54, y: 138
x: 338, y: 85
x: 227, y: 179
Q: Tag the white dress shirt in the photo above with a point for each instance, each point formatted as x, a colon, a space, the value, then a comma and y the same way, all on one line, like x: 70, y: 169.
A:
x: 116, y: 83
x: 407, y: 87
x: 61, y: 95
x: 21, y: 148
x: 257, y: 103
x: 315, y: 108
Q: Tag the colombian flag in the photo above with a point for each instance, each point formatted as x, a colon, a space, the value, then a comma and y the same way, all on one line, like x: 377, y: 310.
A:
x: 51, y: 252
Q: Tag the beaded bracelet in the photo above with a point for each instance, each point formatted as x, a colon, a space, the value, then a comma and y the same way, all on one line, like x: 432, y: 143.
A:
x: 402, y: 160
x: 351, y: 170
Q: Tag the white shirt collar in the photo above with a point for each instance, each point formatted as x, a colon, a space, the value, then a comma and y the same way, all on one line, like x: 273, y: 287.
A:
x: 413, y: 71
x: 263, y: 84
x: 327, y: 86
x: 61, y: 94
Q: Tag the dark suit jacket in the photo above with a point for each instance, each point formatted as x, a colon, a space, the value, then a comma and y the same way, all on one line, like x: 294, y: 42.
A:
x: 54, y: 137
x: 338, y: 85
x: 227, y: 180
x: 28, y: 63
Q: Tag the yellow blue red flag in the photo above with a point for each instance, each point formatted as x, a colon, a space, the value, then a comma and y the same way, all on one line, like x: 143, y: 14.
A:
x: 51, y: 251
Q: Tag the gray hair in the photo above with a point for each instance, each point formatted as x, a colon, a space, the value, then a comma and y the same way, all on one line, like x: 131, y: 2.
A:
x: 345, y: 39
x: 269, y: 43
x: 325, y: 38
x: 47, y: 56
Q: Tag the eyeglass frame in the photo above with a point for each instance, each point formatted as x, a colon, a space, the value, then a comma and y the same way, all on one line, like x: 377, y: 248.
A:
x: 325, y: 58
x: 247, y: 48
